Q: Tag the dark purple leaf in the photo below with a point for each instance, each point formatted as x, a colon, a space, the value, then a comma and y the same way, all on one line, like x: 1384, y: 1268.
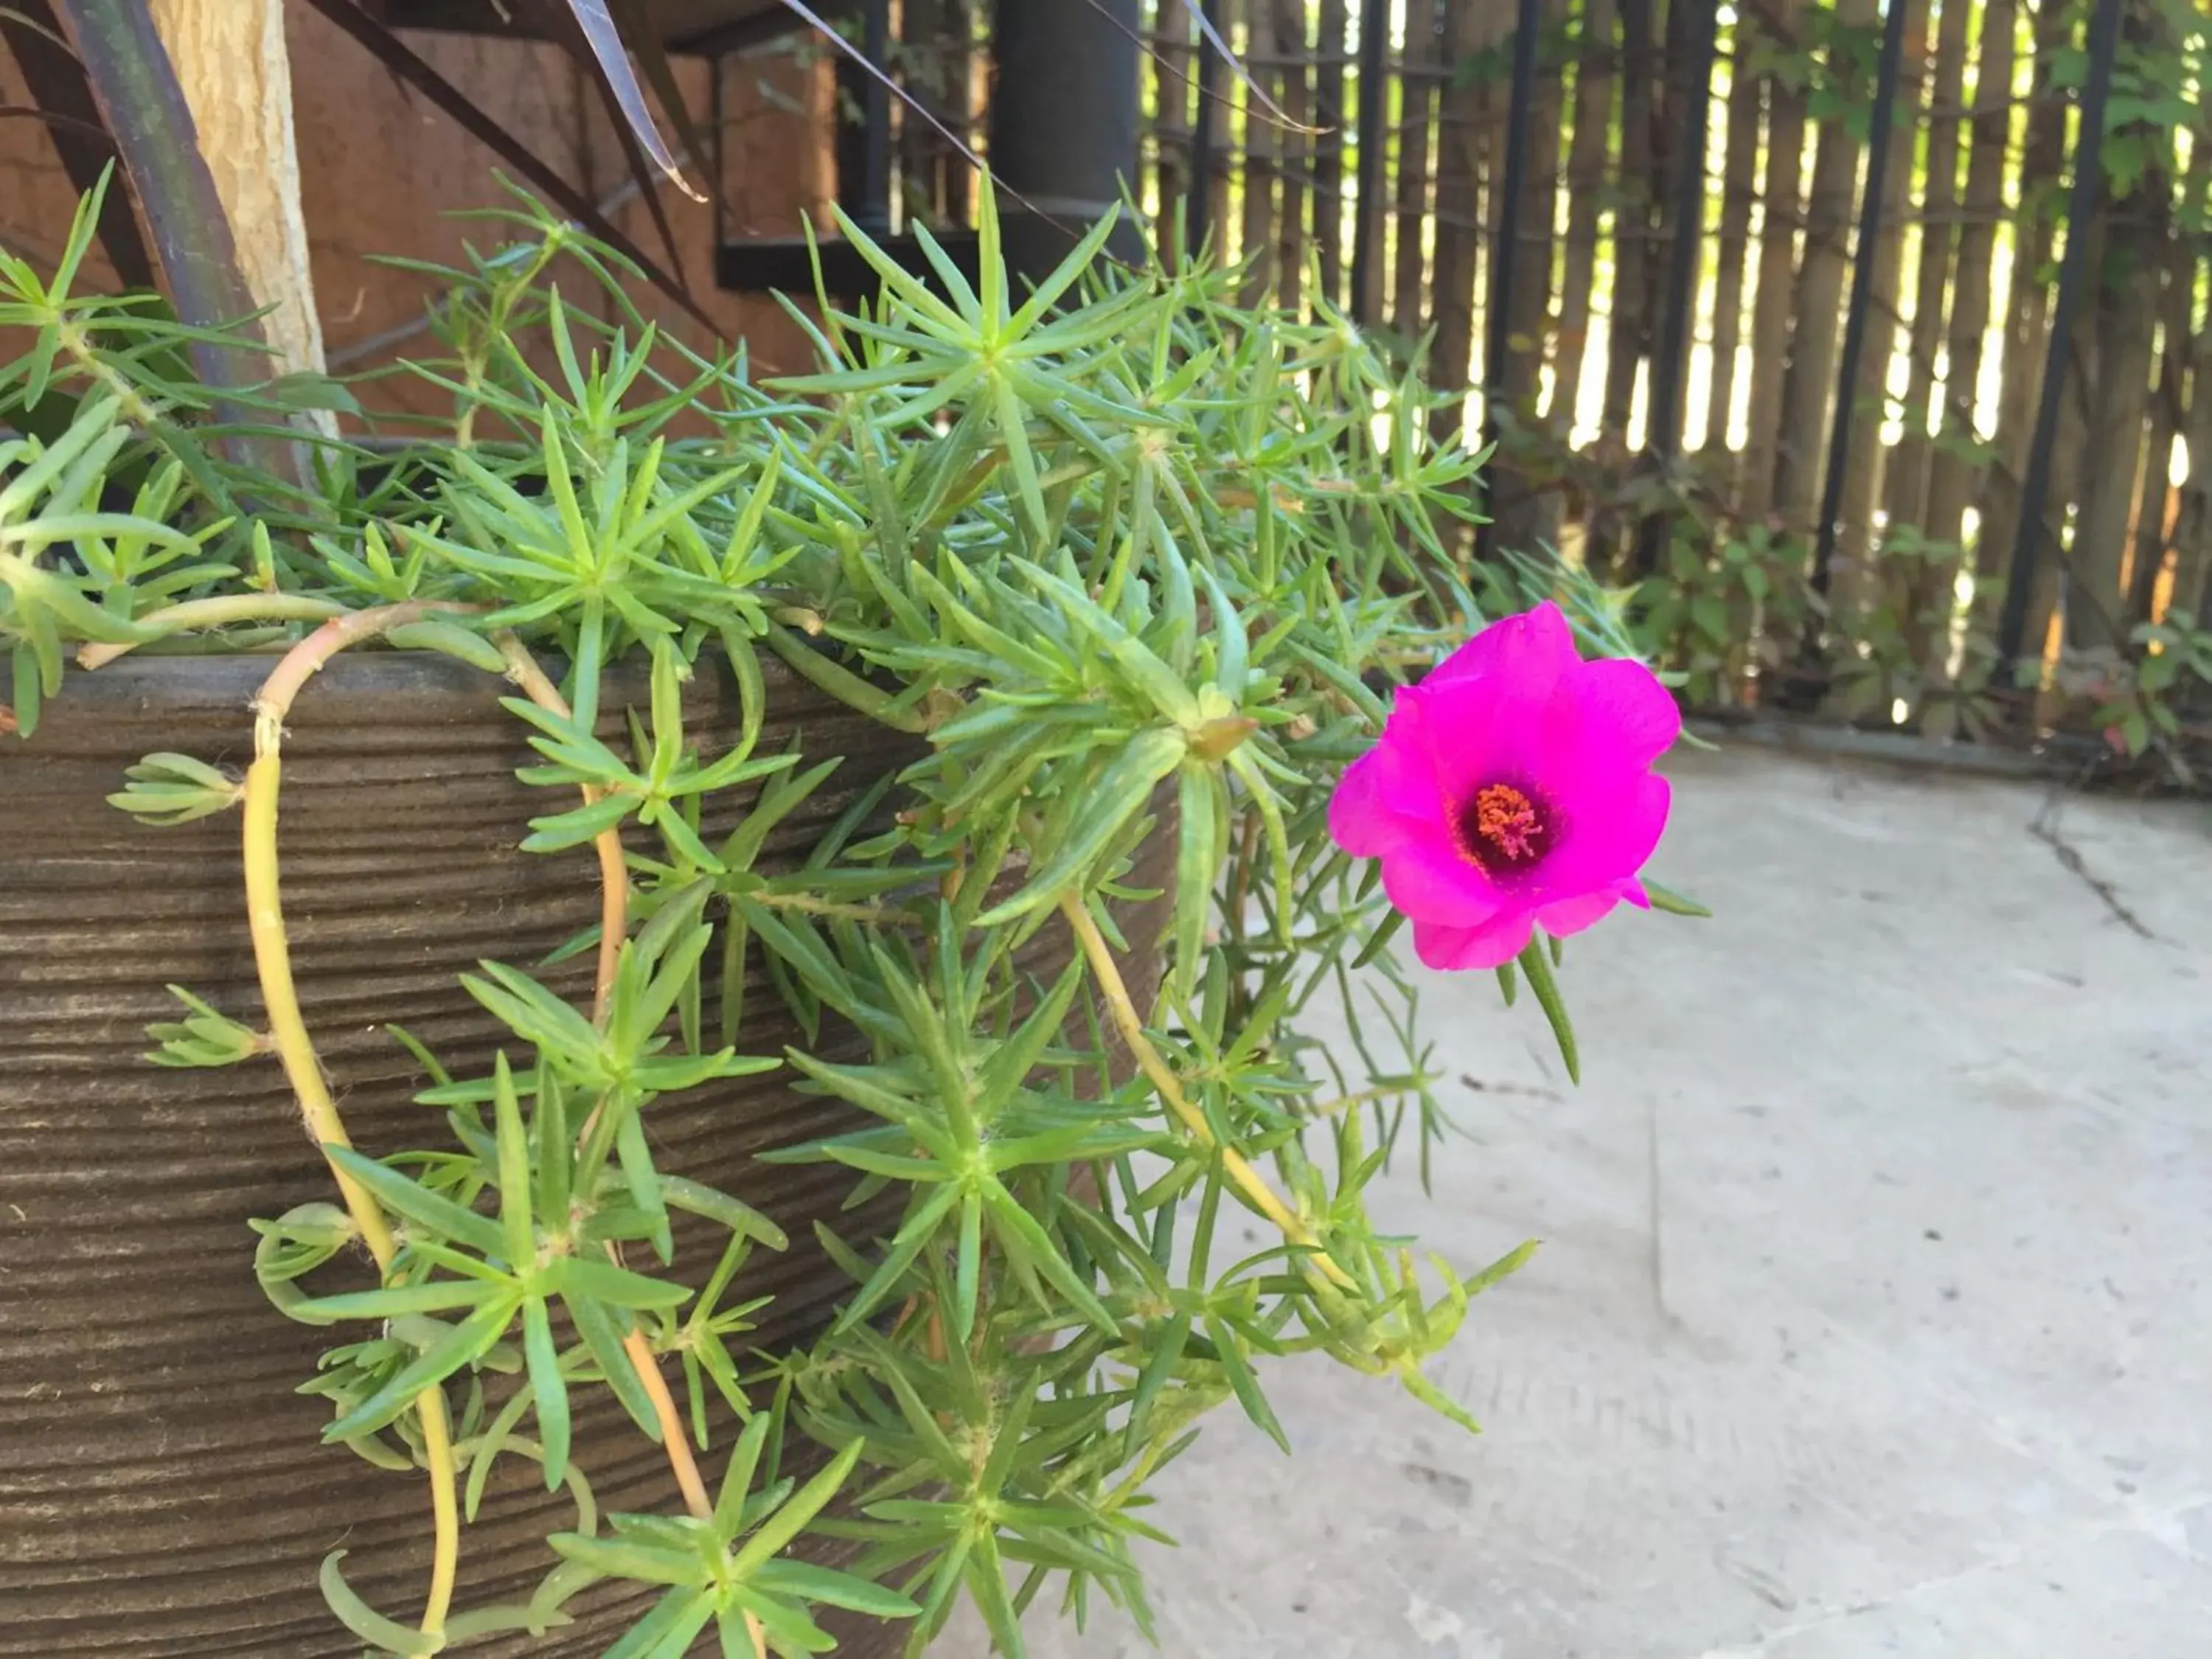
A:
x: 131, y: 79
x: 58, y: 86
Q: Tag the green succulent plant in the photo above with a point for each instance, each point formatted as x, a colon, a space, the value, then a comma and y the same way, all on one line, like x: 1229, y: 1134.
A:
x: 1130, y: 560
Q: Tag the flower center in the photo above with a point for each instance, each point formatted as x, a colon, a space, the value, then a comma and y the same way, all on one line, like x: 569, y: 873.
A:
x: 1503, y: 832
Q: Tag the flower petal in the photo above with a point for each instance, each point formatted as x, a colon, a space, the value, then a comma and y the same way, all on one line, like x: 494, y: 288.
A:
x: 1426, y: 878
x: 1624, y: 709
x: 1385, y: 793
x: 1532, y: 649
x: 1515, y: 705
x: 1565, y: 917
x: 1479, y: 730
x: 1607, y: 841
x: 1491, y: 946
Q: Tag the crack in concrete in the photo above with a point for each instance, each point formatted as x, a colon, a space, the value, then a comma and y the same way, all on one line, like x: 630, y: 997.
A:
x: 2045, y: 828
x: 1657, y: 1202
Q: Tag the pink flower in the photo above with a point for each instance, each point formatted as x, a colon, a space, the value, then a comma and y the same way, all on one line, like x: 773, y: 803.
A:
x: 1511, y: 789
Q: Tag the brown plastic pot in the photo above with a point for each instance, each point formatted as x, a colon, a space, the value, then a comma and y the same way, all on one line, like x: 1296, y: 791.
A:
x: 163, y: 1491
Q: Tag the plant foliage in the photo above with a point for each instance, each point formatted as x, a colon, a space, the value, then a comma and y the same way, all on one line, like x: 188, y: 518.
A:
x: 1135, y: 562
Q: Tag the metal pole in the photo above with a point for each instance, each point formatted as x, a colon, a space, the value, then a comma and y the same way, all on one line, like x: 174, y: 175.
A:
x: 1367, y: 223
x: 1505, y: 239
x: 1198, y: 216
x: 715, y: 145
x: 2073, y: 268
x: 1663, y: 439
x: 873, y: 213
x: 1063, y: 126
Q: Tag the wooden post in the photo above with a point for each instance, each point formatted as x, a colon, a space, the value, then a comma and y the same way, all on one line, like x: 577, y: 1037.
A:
x: 1868, y: 392
x: 2029, y: 531
x: 1328, y: 151
x: 2154, y: 509
x: 1948, y: 472
x: 1367, y: 221
x: 230, y: 61
x: 1516, y: 376
x: 1628, y: 330
x: 1810, y: 382
x: 1905, y: 481
x: 1423, y: 68
x: 1867, y: 261
x: 1295, y: 149
x: 2124, y: 308
x: 1739, y: 190
x: 1586, y: 195
x: 1689, y: 110
x: 1256, y: 241
x: 1953, y: 474
x: 1781, y: 203
x: 2024, y: 320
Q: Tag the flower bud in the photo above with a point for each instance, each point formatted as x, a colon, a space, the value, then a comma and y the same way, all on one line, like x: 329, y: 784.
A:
x: 1219, y: 737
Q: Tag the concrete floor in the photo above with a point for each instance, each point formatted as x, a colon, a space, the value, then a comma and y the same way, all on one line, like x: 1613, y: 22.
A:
x: 1871, y: 1313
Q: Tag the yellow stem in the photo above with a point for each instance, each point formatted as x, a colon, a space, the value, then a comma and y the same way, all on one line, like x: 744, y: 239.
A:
x: 219, y: 612
x: 75, y: 341
x: 445, y: 1510
x: 287, y: 1030
x: 680, y: 1460
x: 614, y: 924
x: 614, y: 870
x: 295, y: 1049
x: 1149, y: 1060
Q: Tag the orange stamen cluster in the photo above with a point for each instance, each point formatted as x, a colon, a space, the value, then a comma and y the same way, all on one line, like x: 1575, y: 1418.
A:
x: 1502, y: 830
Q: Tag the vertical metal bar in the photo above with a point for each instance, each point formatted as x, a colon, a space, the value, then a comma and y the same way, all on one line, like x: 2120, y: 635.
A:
x: 1507, y: 231
x: 715, y: 143
x: 1664, y: 431
x: 2073, y: 267
x: 872, y: 213
x: 1861, y: 296
x: 1198, y: 216
x: 1367, y: 220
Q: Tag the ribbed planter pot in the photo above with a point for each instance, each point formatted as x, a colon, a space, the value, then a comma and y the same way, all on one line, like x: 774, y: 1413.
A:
x: 163, y: 1491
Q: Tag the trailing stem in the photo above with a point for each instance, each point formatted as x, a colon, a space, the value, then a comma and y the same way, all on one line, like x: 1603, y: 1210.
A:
x: 614, y: 870
x: 221, y: 611
x: 295, y: 1049
x: 1131, y: 1025
x: 614, y: 926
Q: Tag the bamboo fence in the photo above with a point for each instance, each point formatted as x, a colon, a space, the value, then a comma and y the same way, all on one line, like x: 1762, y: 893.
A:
x: 1854, y: 367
